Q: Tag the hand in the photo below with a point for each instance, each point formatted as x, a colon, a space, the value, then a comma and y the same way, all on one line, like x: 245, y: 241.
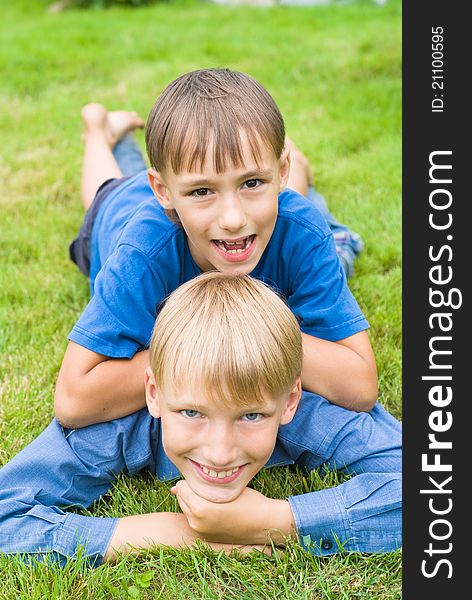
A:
x: 246, y: 520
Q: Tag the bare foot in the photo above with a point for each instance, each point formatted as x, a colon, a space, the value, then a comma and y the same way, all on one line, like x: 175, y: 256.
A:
x: 297, y: 155
x: 121, y: 122
x: 111, y: 125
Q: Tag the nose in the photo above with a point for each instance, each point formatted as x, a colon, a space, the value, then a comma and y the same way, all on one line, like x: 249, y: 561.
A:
x: 232, y: 215
x: 220, y: 448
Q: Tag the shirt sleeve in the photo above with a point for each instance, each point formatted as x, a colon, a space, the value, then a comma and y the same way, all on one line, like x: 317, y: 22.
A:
x: 120, y: 316
x: 363, y: 514
x: 65, y: 468
x: 360, y: 515
x: 320, y: 297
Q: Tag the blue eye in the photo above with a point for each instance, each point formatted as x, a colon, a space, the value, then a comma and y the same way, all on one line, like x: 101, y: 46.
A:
x: 252, y: 417
x: 191, y: 414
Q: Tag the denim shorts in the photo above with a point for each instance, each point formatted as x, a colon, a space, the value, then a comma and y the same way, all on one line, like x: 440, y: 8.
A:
x: 130, y: 161
x: 79, y: 249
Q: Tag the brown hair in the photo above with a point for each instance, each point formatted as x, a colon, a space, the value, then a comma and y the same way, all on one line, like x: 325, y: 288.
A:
x: 229, y: 336
x: 211, y: 108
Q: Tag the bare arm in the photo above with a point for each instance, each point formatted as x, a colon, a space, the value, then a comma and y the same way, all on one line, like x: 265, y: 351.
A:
x: 344, y: 372
x: 140, y: 532
x: 92, y: 388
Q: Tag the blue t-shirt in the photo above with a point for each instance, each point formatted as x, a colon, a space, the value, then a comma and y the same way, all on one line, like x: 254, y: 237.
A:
x: 138, y: 257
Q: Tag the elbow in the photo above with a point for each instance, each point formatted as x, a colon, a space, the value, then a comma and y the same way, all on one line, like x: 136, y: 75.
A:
x: 366, y: 404
x: 362, y: 396
x: 368, y: 391
x: 368, y: 397
x: 69, y: 410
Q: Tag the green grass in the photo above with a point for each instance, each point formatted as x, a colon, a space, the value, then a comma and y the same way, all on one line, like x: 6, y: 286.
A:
x: 335, y: 72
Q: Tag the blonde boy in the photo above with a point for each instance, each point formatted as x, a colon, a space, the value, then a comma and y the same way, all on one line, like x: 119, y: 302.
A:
x: 225, y: 399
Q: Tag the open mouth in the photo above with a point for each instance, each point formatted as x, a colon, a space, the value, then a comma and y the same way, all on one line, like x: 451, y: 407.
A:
x: 221, y: 476
x: 236, y: 250
x: 236, y: 246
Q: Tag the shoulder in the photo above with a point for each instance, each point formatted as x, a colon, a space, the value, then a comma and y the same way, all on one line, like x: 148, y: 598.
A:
x: 148, y: 229
x: 297, y: 214
x: 151, y: 232
x: 143, y: 238
x: 300, y: 247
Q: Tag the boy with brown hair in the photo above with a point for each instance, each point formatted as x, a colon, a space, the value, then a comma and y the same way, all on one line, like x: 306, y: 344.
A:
x: 220, y: 166
x: 224, y: 399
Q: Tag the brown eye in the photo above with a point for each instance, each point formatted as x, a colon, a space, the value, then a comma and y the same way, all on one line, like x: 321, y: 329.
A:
x: 252, y: 183
x: 200, y: 192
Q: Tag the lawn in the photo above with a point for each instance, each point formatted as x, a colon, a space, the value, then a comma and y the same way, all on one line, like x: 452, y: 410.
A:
x: 335, y: 72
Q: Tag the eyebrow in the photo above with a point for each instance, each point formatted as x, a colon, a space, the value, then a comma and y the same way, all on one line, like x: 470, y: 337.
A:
x: 184, y: 405
x: 203, y: 182
x: 181, y: 405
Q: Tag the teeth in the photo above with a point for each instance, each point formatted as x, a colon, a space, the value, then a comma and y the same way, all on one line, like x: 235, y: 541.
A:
x: 226, y: 246
x: 219, y: 474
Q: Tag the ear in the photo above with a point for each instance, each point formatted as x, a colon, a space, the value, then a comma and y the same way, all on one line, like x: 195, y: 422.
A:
x: 160, y: 189
x: 291, y: 404
x: 284, y: 168
x: 152, y: 395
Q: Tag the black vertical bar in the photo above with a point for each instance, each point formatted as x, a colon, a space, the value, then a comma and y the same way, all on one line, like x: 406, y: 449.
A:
x: 437, y: 254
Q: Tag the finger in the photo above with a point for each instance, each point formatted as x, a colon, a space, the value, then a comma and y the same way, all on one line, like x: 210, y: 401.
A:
x: 178, y: 487
x: 180, y: 491
x: 184, y: 491
x: 194, y: 506
x: 186, y: 509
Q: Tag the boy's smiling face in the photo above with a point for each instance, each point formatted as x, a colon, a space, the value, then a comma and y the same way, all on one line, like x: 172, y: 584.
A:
x: 218, y: 448
x: 228, y: 217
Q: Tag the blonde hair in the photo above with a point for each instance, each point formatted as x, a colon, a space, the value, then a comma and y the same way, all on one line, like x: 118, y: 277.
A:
x: 211, y: 108
x: 229, y: 336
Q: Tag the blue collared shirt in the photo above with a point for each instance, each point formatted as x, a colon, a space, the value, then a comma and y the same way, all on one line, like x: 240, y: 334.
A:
x: 75, y: 467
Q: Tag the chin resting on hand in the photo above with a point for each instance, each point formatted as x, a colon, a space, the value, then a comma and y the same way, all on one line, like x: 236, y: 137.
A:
x: 251, y: 518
